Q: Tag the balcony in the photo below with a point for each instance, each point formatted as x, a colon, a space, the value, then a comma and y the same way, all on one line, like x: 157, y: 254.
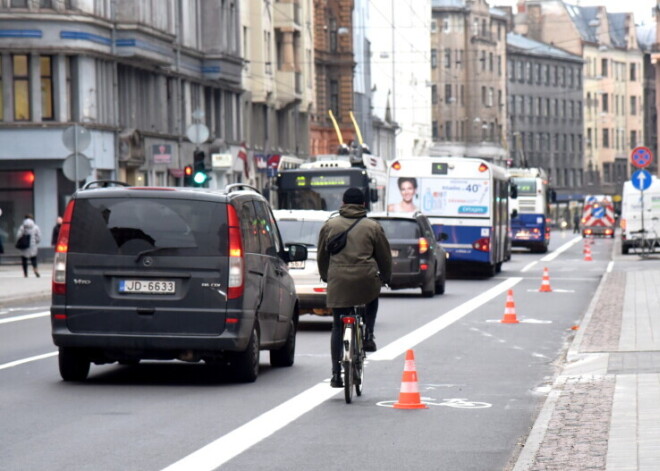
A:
x: 289, y: 87
x: 287, y: 15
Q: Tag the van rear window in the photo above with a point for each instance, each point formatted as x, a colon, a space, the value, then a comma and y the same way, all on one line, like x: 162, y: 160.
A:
x: 128, y: 226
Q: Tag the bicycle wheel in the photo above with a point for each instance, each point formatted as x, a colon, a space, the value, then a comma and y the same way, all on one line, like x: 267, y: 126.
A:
x: 347, y: 364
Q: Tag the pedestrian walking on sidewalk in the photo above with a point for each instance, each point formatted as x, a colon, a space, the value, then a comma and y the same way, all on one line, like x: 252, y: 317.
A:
x: 576, y: 222
x: 56, y: 231
x: 30, y: 228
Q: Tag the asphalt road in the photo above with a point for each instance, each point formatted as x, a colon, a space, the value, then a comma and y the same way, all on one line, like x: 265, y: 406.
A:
x: 161, y: 414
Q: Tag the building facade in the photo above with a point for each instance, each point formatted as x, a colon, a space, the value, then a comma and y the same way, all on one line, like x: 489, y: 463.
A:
x: 136, y: 74
x: 468, y: 76
x: 278, y: 77
x: 545, y: 112
x: 646, y: 38
x: 613, y: 82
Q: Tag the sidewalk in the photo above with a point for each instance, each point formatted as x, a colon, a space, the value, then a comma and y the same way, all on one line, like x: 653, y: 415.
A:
x: 15, y: 288
x: 603, y: 412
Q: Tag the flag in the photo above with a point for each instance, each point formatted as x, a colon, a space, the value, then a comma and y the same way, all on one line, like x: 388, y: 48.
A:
x: 242, y: 154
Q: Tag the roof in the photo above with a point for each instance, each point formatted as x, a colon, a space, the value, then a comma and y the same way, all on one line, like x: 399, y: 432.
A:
x: 585, y: 20
x: 617, y: 22
x: 646, y: 36
x: 448, y: 4
x: 538, y: 48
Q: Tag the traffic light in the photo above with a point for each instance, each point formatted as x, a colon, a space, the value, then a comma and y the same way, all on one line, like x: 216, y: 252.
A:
x: 187, y: 175
x: 199, y: 176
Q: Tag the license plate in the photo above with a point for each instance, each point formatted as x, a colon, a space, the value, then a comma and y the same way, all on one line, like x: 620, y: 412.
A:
x: 395, y: 253
x: 297, y: 264
x: 147, y: 286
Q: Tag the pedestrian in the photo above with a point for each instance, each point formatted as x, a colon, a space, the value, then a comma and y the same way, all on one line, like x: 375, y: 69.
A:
x: 56, y: 231
x: 576, y: 222
x: 30, y: 253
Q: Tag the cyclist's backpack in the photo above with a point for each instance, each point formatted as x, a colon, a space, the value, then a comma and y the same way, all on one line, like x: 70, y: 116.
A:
x: 337, y: 243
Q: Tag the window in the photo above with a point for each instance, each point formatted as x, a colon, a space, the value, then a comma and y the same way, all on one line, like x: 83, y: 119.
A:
x: 446, y: 25
x: 249, y: 228
x: 434, y: 94
x: 490, y: 61
x: 447, y: 58
x: 491, y: 95
x: 434, y: 58
x: 448, y: 131
x: 434, y: 26
x: 334, y: 97
x: 519, y: 71
x: 332, y: 31
x: 528, y: 72
x: 603, y: 67
x: 606, y: 102
x: 633, y: 138
x: 448, y: 95
x: 21, y: 87
x: 483, y: 96
x: 46, y: 88
x: 633, y: 105
x: 633, y: 72
x: 512, y: 71
x: 19, y: 3
x: 606, y: 138
x: 483, y: 60
x: 46, y: 3
x: 434, y: 130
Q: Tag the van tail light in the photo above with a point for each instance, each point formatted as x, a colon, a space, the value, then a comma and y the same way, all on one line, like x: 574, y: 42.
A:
x: 235, y: 283
x: 423, y: 245
x: 61, y: 249
x: 482, y: 245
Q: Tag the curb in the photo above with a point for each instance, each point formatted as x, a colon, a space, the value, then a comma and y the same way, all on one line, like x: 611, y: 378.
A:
x: 531, y: 447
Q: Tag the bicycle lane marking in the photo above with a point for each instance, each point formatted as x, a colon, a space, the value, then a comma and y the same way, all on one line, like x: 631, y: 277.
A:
x: 27, y: 360
x: 228, y: 446
x: 402, y: 344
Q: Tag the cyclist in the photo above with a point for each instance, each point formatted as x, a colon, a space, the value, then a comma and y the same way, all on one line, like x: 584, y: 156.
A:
x: 355, y: 274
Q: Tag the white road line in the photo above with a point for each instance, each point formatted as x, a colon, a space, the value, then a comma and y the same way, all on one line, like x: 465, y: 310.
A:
x: 218, y: 452
x: 560, y: 250
x: 529, y: 265
x: 27, y: 360
x: 25, y: 317
x: 610, y: 266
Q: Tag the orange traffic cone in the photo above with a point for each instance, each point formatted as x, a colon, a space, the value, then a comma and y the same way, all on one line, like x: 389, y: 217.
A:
x: 409, y: 397
x: 587, y: 254
x: 545, y: 284
x: 509, y: 310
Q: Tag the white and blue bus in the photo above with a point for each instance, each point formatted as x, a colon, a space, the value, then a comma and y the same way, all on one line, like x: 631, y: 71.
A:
x: 465, y: 198
x: 530, y: 227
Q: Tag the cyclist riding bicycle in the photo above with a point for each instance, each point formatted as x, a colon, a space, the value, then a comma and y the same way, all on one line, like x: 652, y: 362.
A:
x: 356, y: 273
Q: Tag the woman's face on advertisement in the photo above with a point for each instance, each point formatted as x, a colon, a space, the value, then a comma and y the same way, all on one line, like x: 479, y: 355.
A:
x: 407, y: 191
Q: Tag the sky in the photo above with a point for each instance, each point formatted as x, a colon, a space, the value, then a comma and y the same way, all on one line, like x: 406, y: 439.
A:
x: 640, y: 8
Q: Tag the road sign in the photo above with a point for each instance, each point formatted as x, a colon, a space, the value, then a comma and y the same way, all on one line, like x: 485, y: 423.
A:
x: 76, y: 138
x: 641, y: 179
x: 83, y: 164
x: 641, y: 157
x: 197, y: 133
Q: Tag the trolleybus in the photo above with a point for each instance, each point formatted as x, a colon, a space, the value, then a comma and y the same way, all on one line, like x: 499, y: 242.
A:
x: 530, y: 225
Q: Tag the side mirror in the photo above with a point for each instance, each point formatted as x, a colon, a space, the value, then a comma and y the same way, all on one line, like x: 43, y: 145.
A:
x: 297, y: 253
x: 373, y: 195
x: 514, y: 191
x: 514, y: 214
x: 442, y: 237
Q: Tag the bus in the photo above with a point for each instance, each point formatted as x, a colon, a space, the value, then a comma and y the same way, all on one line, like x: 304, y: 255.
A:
x: 467, y: 202
x: 320, y: 185
x: 530, y: 223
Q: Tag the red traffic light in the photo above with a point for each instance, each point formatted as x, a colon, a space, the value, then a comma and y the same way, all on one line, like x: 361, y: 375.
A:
x: 188, y: 170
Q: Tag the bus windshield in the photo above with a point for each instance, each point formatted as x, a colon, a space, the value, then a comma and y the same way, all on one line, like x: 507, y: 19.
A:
x: 319, y: 189
x: 526, y: 186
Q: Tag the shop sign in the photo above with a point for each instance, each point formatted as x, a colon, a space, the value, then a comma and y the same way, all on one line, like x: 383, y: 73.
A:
x: 162, y: 153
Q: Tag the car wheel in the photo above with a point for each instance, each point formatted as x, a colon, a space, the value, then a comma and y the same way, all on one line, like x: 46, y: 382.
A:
x: 246, y: 363
x: 285, y: 355
x: 440, y: 284
x: 428, y: 290
x: 74, y: 366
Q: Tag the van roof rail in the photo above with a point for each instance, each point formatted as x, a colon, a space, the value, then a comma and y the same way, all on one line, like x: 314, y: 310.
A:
x: 236, y: 186
x: 103, y: 184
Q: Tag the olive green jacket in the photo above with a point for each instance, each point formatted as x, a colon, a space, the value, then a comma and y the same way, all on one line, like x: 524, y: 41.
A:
x: 356, y: 274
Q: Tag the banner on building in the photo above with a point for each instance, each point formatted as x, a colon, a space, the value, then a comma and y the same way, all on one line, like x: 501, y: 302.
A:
x: 161, y: 153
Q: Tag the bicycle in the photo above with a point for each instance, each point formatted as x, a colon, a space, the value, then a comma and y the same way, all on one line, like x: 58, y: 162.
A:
x: 353, y: 352
x: 645, y: 245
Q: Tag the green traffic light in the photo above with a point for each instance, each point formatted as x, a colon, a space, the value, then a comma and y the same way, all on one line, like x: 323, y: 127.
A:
x: 200, y: 178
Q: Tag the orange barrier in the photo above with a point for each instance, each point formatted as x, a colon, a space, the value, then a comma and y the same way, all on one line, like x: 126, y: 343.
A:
x: 409, y: 397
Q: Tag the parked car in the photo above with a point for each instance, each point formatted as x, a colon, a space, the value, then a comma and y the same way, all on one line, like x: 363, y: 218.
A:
x: 418, y: 259
x: 172, y: 273
x: 302, y: 226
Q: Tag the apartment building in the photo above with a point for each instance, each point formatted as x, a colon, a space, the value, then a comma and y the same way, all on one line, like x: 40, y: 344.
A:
x: 135, y: 73
x: 646, y: 38
x: 613, y: 82
x: 545, y: 102
x: 278, y: 77
x: 468, y: 80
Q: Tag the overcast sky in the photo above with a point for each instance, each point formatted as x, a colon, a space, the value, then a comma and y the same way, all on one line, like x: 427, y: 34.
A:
x: 640, y: 8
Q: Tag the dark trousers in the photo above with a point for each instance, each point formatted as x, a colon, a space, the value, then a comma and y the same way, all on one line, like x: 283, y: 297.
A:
x: 337, y: 327
x: 24, y: 262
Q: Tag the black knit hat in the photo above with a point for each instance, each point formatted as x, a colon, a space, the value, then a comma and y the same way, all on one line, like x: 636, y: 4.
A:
x: 353, y: 196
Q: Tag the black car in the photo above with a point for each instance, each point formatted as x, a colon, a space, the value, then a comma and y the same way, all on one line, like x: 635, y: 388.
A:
x: 172, y: 273
x: 418, y: 260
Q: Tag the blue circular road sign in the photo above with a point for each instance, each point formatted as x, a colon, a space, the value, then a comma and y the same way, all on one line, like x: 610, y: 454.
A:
x: 641, y: 179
